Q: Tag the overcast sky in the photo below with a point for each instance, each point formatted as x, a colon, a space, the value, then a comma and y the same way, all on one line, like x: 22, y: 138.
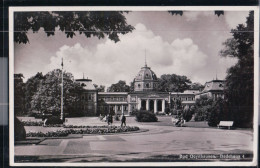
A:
x: 184, y: 45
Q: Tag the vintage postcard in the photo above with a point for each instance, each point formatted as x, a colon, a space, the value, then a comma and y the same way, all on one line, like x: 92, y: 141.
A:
x: 133, y: 86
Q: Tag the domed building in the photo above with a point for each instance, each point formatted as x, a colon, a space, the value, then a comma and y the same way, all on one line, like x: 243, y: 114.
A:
x: 146, y: 80
x: 145, y: 96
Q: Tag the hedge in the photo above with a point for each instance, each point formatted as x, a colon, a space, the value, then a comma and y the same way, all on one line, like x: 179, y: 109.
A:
x: 19, y: 131
x: 53, y: 120
x: 146, y: 116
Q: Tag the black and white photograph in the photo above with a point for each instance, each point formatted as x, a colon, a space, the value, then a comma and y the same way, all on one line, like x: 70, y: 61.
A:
x: 138, y: 86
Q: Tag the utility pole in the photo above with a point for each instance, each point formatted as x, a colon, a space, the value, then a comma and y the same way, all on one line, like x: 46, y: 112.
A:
x: 61, y: 113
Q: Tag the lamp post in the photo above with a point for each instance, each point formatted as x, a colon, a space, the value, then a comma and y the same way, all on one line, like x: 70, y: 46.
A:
x: 61, y: 113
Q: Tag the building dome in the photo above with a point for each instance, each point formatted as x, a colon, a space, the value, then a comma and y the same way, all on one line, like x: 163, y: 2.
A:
x: 145, y: 80
x: 86, y: 84
x: 146, y: 74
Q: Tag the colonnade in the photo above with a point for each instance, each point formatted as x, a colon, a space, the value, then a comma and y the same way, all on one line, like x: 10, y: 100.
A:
x: 122, y: 111
x: 155, y: 104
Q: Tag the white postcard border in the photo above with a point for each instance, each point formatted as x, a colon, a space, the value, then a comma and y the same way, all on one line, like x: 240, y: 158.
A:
x: 139, y: 8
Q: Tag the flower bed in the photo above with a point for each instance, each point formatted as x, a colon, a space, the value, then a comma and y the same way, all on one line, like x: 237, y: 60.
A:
x: 40, y: 123
x: 54, y: 125
x: 64, y: 133
x: 86, y: 126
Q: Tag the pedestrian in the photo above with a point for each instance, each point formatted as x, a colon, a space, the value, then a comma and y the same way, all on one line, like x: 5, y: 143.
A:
x: 123, y: 120
x: 108, y: 119
x: 111, y: 119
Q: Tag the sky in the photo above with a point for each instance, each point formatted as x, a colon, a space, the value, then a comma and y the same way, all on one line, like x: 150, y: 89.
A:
x: 184, y: 45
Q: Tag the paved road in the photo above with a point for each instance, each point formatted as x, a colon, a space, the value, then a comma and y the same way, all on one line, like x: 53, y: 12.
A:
x: 159, y: 141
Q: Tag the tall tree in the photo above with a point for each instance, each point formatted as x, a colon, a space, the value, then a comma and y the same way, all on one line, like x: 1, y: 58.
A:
x: 202, y: 109
x: 239, y: 90
x: 31, y: 87
x: 19, y: 97
x: 132, y: 86
x: 89, y: 23
x: 196, y: 86
x: 120, y: 86
x: 100, y: 88
x: 173, y: 83
x: 47, y: 99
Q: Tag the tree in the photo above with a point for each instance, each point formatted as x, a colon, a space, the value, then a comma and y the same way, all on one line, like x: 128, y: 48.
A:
x: 173, y: 83
x: 100, y: 88
x: 31, y: 87
x: 19, y: 97
x: 217, y: 12
x: 239, y: 90
x: 47, y: 99
x: 132, y: 86
x: 103, y: 108
x: 202, y: 108
x: 187, y: 114
x: 89, y: 23
x: 120, y: 86
x: 216, y: 112
x: 196, y: 86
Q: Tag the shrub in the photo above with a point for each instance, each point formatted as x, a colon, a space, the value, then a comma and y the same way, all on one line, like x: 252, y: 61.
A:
x: 174, y: 112
x: 187, y: 114
x: 216, y: 112
x: 19, y: 131
x: 37, y: 115
x: 54, y: 120
x: 134, y: 112
x: 199, y: 117
x: 146, y: 116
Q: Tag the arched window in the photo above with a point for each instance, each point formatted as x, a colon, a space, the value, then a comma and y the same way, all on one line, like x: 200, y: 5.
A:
x: 147, y: 85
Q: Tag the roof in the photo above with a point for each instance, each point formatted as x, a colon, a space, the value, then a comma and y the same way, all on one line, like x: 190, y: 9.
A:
x: 112, y: 93
x: 86, y: 83
x: 145, y: 74
x: 191, y: 91
x: 117, y: 103
x: 186, y: 92
x: 214, y: 85
x: 188, y: 102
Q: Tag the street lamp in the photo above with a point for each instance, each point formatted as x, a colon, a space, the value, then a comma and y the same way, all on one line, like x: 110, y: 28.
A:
x: 61, y: 113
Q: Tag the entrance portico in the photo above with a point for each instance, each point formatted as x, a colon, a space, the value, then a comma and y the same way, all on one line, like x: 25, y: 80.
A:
x: 155, y: 105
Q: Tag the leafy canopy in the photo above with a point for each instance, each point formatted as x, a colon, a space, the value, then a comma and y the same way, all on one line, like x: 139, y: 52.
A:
x: 240, y: 77
x: 90, y: 23
x: 120, y: 86
x: 173, y: 83
x: 47, y: 99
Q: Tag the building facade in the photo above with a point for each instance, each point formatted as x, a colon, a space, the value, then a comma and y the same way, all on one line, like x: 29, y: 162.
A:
x: 144, y: 97
x: 212, y: 89
x: 88, y: 97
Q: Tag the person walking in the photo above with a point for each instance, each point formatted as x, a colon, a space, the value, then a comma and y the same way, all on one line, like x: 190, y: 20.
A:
x: 123, y: 120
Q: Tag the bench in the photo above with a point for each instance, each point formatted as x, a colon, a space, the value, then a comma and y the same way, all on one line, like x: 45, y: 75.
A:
x: 225, y: 124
